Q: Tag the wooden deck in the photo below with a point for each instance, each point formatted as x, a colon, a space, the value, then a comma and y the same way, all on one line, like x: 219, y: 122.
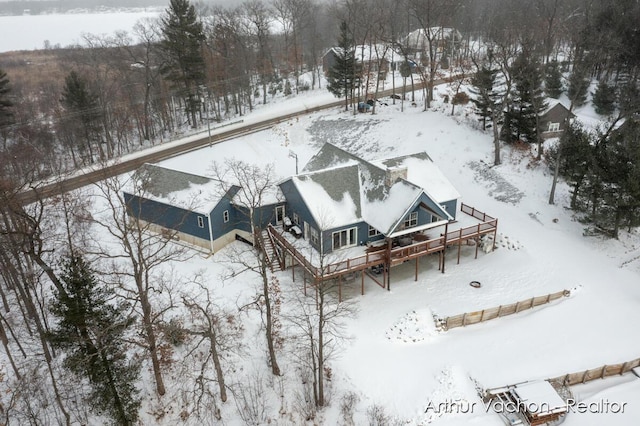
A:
x: 389, y: 256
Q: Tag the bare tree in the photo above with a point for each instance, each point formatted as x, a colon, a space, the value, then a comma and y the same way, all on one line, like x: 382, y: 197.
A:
x: 214, y: 327
x: 432, y: 16
x: 316, y: 321
x: 141, y: 258
x: 255, y: 197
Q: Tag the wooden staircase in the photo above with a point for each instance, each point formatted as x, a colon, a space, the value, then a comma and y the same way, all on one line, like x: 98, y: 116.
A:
x: 269, y: 250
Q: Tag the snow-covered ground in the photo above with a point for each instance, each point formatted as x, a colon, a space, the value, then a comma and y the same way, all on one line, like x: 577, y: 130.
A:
x: 394, y: 357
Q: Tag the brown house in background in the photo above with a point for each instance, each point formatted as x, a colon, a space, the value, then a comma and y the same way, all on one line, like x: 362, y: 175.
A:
x: 555, y: 120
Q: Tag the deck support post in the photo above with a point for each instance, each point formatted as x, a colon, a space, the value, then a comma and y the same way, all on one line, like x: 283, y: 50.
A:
x: 495, y: 234
x: 387, y: 267
x: 417, y: 258
x: 340, y: 288
x: 362, y: 283
x: 293, y: 268
x: 477, y: 245
x: 444, y: 248
x: 479, y: 236
x: 459, y: 245
x: 304, y: 280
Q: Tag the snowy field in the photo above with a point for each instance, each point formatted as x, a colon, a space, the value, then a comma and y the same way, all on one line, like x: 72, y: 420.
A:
x: 394, y: 357
x: 30, y: 32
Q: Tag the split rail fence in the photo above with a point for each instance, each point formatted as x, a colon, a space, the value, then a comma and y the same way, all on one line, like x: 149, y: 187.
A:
x: 596, y: 373
x: 468, y: 318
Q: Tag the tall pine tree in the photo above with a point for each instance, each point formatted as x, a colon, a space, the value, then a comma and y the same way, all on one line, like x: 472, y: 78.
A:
x: 82, y: 116
x: 6, y: 113
x: 528, y: 103
x: 604, y: 98
x: 182, y: 47
x: 344, y: 74
x: 90, y: 330
x: 578, y: 84
x: 553, y: 80
x: 483, y: 83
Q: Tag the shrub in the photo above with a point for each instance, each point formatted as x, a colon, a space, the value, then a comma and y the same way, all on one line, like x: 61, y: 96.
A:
x: 460, y: 98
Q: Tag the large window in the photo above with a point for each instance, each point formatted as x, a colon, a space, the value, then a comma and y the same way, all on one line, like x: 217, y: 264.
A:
x: 554, y: 127
x: 373, y: 232
x: 313, y: 236
x: 345, y: 238
x: 411, y: 220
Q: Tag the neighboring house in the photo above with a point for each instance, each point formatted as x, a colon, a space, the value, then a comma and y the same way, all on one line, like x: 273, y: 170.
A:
x: 340, y: 200
x: 373, y: 57
x: 555, y: 120
x: 445, y: 40
x: 198, y: 210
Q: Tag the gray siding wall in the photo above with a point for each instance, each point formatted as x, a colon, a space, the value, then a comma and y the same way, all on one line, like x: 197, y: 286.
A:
x: 295, y: 204
x: 362, y: 235
x: 167, y: 216
x: 452, y: 207
x: 218, y: 224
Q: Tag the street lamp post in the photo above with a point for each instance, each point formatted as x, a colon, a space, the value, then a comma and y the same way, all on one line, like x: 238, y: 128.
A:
x: 294, y: 155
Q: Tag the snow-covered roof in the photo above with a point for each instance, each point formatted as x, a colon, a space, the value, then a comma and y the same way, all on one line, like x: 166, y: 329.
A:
x: 540, y: 398
x: 423, y: 172
x: 176, y: 188
x: 340, y: 188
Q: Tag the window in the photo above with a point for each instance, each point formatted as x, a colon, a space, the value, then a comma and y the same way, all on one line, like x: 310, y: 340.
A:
x: 296, y: 219
x: 373, y: 231
x: 554, y: 127
x: 411, y: 220
x: 345, y: 238
x: 200, y: 222
x: 225, y: 216
x: 313, y: 236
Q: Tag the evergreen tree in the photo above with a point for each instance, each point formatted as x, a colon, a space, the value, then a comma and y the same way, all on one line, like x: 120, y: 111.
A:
x: 83, y: 112
x: 619, y: 168
x: 6, y: 105
x: 483, y: 83
x: 90, y: 331
x: 528, y: 100
x: 344, y: 75
x: 553, y: 80
x: 604, y: 98
x: 578, y: 84
x: 576, y: 150
x: 182, y: 47
x: 629, y: 98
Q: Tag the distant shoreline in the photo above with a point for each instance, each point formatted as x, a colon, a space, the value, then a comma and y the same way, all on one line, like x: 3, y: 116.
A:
x: 61, y: 30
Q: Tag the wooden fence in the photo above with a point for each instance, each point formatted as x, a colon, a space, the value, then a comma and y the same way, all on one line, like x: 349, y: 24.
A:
x: 468, y: 318
x: 596, y: 373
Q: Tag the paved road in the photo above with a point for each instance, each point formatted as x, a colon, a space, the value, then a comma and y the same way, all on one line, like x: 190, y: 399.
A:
x: 132, y: 162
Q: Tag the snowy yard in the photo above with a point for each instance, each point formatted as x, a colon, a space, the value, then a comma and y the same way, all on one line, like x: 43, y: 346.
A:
x: 394, y: 357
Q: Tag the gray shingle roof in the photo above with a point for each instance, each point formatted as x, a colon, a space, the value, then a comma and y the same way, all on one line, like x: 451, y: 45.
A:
x: 161, y: 181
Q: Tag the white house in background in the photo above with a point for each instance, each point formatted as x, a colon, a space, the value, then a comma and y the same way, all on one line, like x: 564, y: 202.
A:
x: 444, y: 39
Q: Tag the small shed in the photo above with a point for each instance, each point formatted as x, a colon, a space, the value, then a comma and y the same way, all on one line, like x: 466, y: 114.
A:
x: 555, y: 120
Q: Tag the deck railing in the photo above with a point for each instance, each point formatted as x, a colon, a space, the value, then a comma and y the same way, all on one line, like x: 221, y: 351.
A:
x: 396, y: 255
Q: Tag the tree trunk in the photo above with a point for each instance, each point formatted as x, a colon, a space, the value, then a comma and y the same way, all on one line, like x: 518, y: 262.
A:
x: 275, y: 369
x: 556, y: 172
x: 216, y: 364
x: 320, y: 374
x: 147, y: 324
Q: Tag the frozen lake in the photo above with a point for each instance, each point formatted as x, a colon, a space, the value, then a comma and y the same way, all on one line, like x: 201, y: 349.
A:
x: 29, y: 32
